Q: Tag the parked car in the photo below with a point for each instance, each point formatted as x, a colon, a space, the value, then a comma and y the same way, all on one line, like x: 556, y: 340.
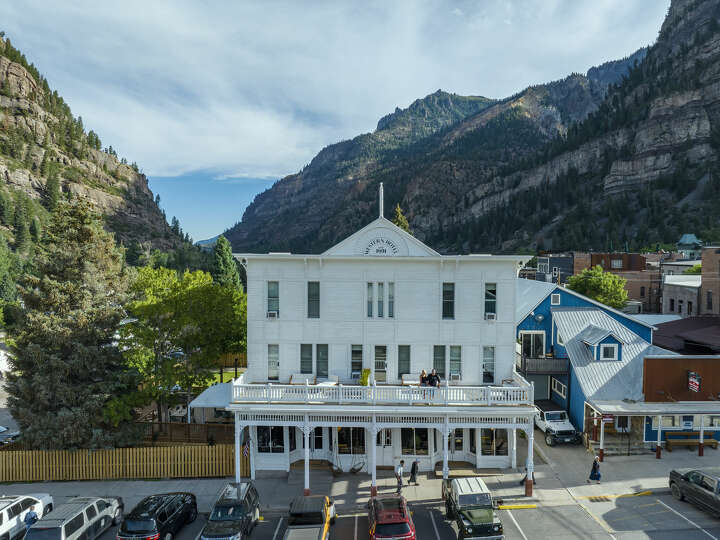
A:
x: 310, y: 518
x: 81, y: 518
x: 552, y: 420
x: 698, y: 486
x: 9, y: 438
x: 159, y: 517
x: 13, y: 509
x: 235, y: 513
x: 470, y: 505
x: 388, y: 517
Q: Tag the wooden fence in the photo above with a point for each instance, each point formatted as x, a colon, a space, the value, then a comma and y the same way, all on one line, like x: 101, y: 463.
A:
x: 121, y: 463
x: 183, y: 432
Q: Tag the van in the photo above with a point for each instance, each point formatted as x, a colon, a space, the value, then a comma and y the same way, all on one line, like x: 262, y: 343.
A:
x: 81, y: 518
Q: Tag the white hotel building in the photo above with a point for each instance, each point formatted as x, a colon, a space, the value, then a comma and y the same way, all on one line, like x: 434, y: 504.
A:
x: 381, y: 302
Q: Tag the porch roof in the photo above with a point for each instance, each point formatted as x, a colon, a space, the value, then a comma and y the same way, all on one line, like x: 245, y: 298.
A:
x: 216, y: 397
x: 665, y: 408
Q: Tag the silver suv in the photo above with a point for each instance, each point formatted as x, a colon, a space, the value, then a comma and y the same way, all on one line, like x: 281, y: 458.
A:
x: 84, y: 518
x: 13, y: 509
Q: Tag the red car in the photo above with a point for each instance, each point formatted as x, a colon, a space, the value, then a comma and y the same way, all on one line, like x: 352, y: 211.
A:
x: 389, y: 517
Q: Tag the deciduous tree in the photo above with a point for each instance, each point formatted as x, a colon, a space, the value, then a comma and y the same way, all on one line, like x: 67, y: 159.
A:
x: 605, y: 287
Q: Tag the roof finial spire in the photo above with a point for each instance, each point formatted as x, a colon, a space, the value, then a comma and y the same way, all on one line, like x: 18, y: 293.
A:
x: 382, y: 212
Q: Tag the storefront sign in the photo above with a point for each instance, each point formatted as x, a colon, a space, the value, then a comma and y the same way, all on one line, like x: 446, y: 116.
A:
x: 608, y: 418
x: 694, y: 381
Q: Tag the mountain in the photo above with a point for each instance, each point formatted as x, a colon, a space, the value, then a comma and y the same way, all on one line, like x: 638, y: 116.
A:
x: 438, y: 159
x: 45, y: 153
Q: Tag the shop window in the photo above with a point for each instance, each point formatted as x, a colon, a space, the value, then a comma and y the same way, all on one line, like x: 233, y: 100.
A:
x: 270, y: 439
x: 351, y: 440
x: 473, y: 446
x: 494, y: 442
x: 414, y: 441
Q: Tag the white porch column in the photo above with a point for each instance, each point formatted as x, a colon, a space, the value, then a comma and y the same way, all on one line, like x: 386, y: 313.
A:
x: 306, y: 439
x: 373, y: 457
x: 513, y: 441
x: 446, y: 439
x: 658, y: 451
x: 529, y: 464
x: 238, y: 431
x: 252, y: 433
x: 701, y: 450
x: 478, y: 449
x: 602, y: 440
x: 286, y: 446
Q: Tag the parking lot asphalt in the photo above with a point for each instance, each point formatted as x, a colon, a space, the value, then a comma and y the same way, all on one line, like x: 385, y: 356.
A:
x: 625, y: 518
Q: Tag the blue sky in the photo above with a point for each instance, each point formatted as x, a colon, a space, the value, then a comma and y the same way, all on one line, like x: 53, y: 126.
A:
x: 216, y: 100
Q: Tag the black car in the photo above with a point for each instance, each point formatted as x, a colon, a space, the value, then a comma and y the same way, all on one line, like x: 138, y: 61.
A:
x: 698, y: 486
x: 234, y: 514
x: 159, y: 517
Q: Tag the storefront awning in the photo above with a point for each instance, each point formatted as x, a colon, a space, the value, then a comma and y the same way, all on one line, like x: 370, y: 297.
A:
x: 643, y: 408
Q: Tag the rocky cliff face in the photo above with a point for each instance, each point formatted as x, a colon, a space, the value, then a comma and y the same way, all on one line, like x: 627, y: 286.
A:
x: 442, y: 159
x: 39, y: 138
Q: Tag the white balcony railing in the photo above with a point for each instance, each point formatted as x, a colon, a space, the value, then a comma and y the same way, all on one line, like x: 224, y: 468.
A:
x: 521, y: 394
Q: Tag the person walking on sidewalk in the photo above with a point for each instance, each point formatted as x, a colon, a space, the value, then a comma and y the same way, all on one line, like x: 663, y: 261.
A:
x: 413, y: 472
x: 399, y: 470
x: 595, y: 471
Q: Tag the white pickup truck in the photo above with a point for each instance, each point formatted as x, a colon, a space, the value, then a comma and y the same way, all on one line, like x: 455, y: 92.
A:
x: 552, y: 420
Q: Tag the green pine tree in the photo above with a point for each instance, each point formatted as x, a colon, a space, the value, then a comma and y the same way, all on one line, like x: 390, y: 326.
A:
x: 6, y: 209
x: 52, y: 191
x: 225, y: 270
x: 134, y: 254
x: 69, y: 386
x: 20, y: 228
x: 400, y: 220
x: 35, y: 229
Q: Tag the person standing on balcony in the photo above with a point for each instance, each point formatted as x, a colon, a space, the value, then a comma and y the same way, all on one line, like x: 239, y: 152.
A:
x: 434, y: 381
x: 399, y: 470
x: 423, y: 378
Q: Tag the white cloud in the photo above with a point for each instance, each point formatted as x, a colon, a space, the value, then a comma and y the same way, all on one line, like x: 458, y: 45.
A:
x: 257, y: 89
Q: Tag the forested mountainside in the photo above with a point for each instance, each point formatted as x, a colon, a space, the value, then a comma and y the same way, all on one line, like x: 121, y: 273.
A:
x: 623, y: 155
x: 46, y: 155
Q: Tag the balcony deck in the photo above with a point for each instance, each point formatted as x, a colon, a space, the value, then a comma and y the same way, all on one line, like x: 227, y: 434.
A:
x: 519, y: 393
x: 541, y: 366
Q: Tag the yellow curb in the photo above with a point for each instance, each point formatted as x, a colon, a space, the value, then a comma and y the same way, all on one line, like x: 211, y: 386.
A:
x: 516, y: 506
x: 638, y: 494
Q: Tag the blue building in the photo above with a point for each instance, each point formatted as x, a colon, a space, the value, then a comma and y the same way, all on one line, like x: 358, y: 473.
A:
x: 589, y: 359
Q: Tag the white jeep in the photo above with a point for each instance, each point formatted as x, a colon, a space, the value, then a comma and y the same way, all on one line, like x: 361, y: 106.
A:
x: 554, y: 422
x: 13, y: 509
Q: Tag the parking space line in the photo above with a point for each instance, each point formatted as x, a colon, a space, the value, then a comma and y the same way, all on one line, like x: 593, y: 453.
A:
x: 356, y: 527
x: 277, y: 528
x: 517, y: 525
x: 432, y: 519
x: 688, y: 520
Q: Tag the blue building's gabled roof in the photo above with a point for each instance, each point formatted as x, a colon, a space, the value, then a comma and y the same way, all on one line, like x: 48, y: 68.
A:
x: 592, y: 335
x: 603, y: 380
x: 689, y: 240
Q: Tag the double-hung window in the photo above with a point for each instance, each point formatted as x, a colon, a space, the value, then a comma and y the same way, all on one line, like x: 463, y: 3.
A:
x: 356, y: 360
x: 439, y: 360
x: 391, y: 300
x: 403, y: 360
x: 306, y: 358
x: 489, y: 364
x: 321, y: 357
x: 380, y: 300
x: 490, y: 300
x: 455, y: 362
x: 370, y: 296
x: 448, y: 301
x: 273, y: 298
x: 273, y: 362
x: 313, y: 299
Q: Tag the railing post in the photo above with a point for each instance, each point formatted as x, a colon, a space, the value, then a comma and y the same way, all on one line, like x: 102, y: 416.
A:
x: 307, y: 391
x: 374, y: 391
x: 267, y: 391
x: 340, y: 393
x: 447, y: 391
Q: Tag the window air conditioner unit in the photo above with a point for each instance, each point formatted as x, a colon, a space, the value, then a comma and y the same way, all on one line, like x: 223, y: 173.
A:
x: 355, y: 375
x: 490, y: 316
x: 272, y: 314
x: 454, y: 376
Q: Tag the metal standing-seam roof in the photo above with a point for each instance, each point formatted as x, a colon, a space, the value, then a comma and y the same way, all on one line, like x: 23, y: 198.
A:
x: 528, y: 296
x: 604, y: 379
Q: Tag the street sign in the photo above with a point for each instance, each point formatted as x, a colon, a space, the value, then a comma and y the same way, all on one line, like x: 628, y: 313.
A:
x: 608, y: 418
x: 694, y: 381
